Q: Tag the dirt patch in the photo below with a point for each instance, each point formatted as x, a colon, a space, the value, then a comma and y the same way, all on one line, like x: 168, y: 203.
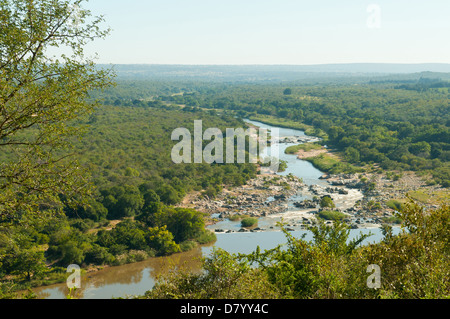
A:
x: 301, y: 154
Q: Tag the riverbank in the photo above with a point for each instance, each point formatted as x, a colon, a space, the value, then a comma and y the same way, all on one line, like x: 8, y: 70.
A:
x: 289, y: 124
x: 379, y: 186
x: 363, y: 195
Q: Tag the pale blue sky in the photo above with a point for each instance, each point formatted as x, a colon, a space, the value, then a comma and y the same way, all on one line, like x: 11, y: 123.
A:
x: 273, y: 31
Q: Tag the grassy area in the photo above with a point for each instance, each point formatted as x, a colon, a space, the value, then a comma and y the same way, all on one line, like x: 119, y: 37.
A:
x: 304, y: 147
x: 235, y: 218
x: 331, y: 164
x: 394, y: 204
x: 331, y: 215
x: 436, y: 197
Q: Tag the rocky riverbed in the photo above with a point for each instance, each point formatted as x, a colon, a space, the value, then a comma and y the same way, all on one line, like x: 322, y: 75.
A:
x: 262, y: 196
x: 273, y: 197
x: 362, y: 207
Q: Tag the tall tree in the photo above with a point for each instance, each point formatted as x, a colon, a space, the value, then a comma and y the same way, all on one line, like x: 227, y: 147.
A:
x: 45, y: 79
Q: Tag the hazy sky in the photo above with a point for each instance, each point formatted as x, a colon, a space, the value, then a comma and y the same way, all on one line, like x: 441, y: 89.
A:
x: 273, y: 31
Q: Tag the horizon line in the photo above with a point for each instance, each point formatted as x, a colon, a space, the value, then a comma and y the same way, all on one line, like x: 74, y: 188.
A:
x: 279, y: 64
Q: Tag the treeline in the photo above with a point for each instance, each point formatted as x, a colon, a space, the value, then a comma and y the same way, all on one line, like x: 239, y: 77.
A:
x: 425, y: 84
x: 132, y: 213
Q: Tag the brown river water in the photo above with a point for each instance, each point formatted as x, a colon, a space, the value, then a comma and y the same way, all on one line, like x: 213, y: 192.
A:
x: 126, y: 280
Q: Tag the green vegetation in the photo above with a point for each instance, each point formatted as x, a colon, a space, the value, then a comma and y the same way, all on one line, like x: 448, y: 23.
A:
x: 282, y: 166
x: 40, y: 97
x: 130, y: 214
x: 366, y: 123
x: 249, y: 222
x: 305, y: 147
x: 392, y: 220
x: 237, y: 217
x: 331, y: 215
x: 326, y: 162
x: 394, y: 204
x: 332, y: 164
x: 414, y: 265
x: 435, y: 197
x: 327, y: 202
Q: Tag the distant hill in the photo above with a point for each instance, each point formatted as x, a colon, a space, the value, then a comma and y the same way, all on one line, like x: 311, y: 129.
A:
x: 252, y: 73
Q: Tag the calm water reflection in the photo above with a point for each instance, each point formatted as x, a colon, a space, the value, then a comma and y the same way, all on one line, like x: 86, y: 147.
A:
x: 131, y: 279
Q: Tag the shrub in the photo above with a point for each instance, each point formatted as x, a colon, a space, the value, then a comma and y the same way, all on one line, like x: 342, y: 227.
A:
x: 237, y: 217
x: 206, y: 237
x: 99, y: 256
x: 331, y: 215
x: 249, y: 222
x: 394, y: 204
x: 187, y: 245
x: 392, y: 220
x: 327, y: 201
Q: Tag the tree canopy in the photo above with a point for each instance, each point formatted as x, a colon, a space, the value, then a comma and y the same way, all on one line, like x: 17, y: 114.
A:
x: 45, y: 80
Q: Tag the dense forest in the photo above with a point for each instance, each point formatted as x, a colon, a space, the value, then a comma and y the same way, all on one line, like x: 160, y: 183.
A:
x: 130, y: 215
x: 398, y: 124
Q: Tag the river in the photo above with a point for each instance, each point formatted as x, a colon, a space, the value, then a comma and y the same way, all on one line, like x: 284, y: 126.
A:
x: 137, y: 278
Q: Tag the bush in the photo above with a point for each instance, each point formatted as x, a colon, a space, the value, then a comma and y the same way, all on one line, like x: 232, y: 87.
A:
x: 162, y: 240
x: 392, y: 220
x: 331, y: 215
x: 237, y: 217
x: 327, y: 201
x: 249, y: 222
x: 206, y: 237
x: 394, y: 204
x: 99, y: 256
x: 187, y: 245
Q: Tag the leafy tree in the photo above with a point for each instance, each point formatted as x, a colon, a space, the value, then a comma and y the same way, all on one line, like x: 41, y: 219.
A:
x: 335, y: 238
x: 415, y: 263
x: 225, y: 276
x: 183, y: 223
x: 327, y: 202
x: 287, y: 91
x: 27, y: 262
x: 151, y: 209
x: 352, y: 155
x: 92, y: 210
x: 123, y: 201
x: 161, y: 239
x: 68, y: 245
x: 43, y: 90
x: 130, y: 234
x: 422, y: 149
x: 169, y: 195
x: 98, y: 255
x: 70, y: 253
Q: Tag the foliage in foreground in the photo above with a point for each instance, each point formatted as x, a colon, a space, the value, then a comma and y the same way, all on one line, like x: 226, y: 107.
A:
x: 414, y: 264
x: 40, y: 96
